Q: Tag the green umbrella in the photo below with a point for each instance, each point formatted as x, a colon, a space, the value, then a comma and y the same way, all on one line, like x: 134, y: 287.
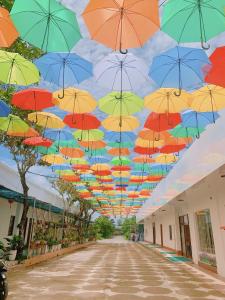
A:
x: 77, y: 161
x: 120, y: 161
x: 13, y: 124
x: 66, y: 144
x: 193, y: 21
x: 120, y: 104
x: 121, y: 145
x: 17, y: 70
x: 47, y: 150
x: 89, y: 135
x: 46, y: 24
x: 64, y: 172
x: 95, y: 152
x: 185, y: 132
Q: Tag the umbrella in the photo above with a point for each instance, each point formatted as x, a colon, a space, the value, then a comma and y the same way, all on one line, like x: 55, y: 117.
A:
x: 63, y: 69
x: 119, y: 152
x: 100, y: 167
x: 120, y: 72
x: 210, y: 98
x: 37, y: 141
x: 143, y: 160
x: 13, y: 124
x: 47, y: 150
x: 161, y: 122
x: 122, y: 174
x: 77, y: 161
x: 149, y: 143
x: 17, y: 70
x: 146, y: 150
x: 89, y: 135
x: 60, y: 136
x: 123, y: 123
x: 195, y: 21
x: 53, y: 159
x: 8, y: 32
x: 122, y: 24
x: 46, y: 120
x: 121, y: 168
x: 116, y: 136
x: 93, y: 145
x: 166, y: 159
x: 82, y: 121
x: 120, y: 145
x: 121, y: 161
x: 165, y: 100
x: 65, y: 143
x: 184, y: 132
x: 72, y: 152
x: 4, y: 109
x: 32, y: 99
x: 179, y: 67
x: 29, y: 133
x: 216, y: 74
x: 172, y: 148
x: 120, y: 104
x: 75, y: 101
x: 47, y: 25
x: 148, y: 134
x: 98, y: 160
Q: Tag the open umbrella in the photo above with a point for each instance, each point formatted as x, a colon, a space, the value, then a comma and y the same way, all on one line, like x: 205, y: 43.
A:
x: 93, y: 145
x: 53, y: 159
x: 122, y: 24
x: 146, y: 150
x: 166, y: 159
x: 32, y: 99
x: 62, y: 137
x: 72, y: 152
x: 149, y: 143
x: 31, y: 132
x: 119, y: 152
x: 89, y: 135
x: 4, y: 109
x: 163, y: 121
x: 47, y: 150
x: 143, y: 160
x: 184, y: 132
x: 120, y: 104
x: 123, y: 123
x: 121, y: 161
x: 216, y: 74
x: 46, y: 24
x: 13, y: 124
x: 82, y: 121
x: 120, y: 72
x: 121, y: 145
x: 64, y: 69
x: 37, y: 141
x: 172, y: 148
x: 17, y: 70
x: 115, y: 136
x: 206, y: 17
x: 66, y: 143
x: 151, y: 135
x: 46, y: 120
x: 8, y: 32
x: 180, y: 67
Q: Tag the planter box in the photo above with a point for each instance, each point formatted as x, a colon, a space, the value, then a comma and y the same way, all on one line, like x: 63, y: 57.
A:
x: 12, y: 255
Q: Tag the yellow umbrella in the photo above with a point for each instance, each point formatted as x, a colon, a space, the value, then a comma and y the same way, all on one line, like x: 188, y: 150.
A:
x: 100, y: 167
x: 120, y: 123
x: 166, y: 159
x: 75, y: 101
x: 121, y: 174
x: 165, y: 100
x: 53, y: 159
x: 149, y: 144
x: 209, y: 98
x: 46, y: 120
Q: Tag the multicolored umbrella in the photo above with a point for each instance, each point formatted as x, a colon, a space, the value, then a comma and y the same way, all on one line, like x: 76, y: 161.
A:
x: 8, y: 32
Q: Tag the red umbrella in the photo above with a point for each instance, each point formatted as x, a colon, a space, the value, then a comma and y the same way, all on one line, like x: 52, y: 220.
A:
x: 172, y: 148
x: 33, y: 99
x: 120, y: 189
x: 140, y: 180
x: 72, y: 152
x: 147, y: 151
x: 38, y: 141
x: 107, y: 180
x: 216, y: 74
x: 155, y: 178
x: 71, y: 178
x: 145, y: 193
x: 162, y: 122
x: 82, y: 121
x: 121, y: 168
x: 103, y: 173
x: 81, y: 167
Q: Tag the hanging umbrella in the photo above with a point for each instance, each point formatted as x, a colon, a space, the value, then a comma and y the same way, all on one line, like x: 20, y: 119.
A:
x: 162, y: 122
x: 100, y: 167
x: 13, y: 124
x: 88, y: 135
x: 172, y: 148
x: 122, y: 174
x: 148, y: 143
x: 98, y: 160
x: 47, y: 25
x: 75, y: 101
x: 143, y: 160
x: 46, y: 120
x: 93, y: 146
x: 72, y: 152
x: 64, y: 70
x: 4, y: 109
x: 121, y: 168
x: 66, y: 143
x: 60, y: 136
x: 32, y: 99
x: 166, y: 159
x: 80, y: 167
x: 82, y: 121
x: 216, y: 74
x: 70, y: 178
x: 38, y: 141
x: 120, y: 104
x: 120, y: 72
x: 181, y: 68
x: 121, y: 161
x: 184, y: 132
x: 119, y: 152
x: 77, y: 161
x: 102, y: 173
x: 47, y: 150
x: 116, y: 136
x: 151, y: 135
x: 124, y: 123
x: 146, y: 150
x: 122, y: 24
x: 29, y: 133
x: 195, y: 21
x: 8, y: 32
x: 121, y: 145
x: 17, y: 70
x: 53, y: 159
x: 165, y: 100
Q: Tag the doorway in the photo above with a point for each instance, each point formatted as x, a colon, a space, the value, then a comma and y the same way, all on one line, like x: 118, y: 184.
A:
x: 154, y: 233
x: 185, y: 236
x: 161, y: 234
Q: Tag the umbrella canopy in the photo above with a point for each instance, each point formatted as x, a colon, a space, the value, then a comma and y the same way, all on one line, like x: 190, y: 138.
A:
x: 4, y: 109
x: 89, y: 135
x: 63, y: 137
x: 66, y: 143
x: 198, y: 120
x: 121, y: 168
x: 165, y: 100
x: 166, y: 159
x: 121, y: 72
x: 46, y: 24
x: 143, y: 160
x: 120, y: 104
x: 119, y: 152
x: 120, y: 136
x: 180, y: 67
x: 162, y: 122
x: 100, y: 167
x: 8, y: 32
x: 121, y: 161
x: 148, y: 134
x: 32, y: 99
x: 82, y: 121
x: 172, y: 148
x: 46, y: 120
x: 13, y: 124
x: 29, y: 133
x: 47, y: 150
x: 72, y: 152
x: 120, y: 145
x: 146, y: 150
x: 149, y: 143
x: 17, y: 70
x: 207, y: 19
x: 37, y: 141
x: 124, y: 123
x: 216, y: 74
x: 93, y: 146
x: 184, y: 132
x: 53, y: 159
x: 75, y: 101
x: 98, y: 160
x: 122, y: 24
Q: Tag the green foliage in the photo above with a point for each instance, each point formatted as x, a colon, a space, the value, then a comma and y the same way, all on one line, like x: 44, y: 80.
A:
x: 13, y: 242
x: 128, y: 227
x: 104, y: 227
x: 7, y: 4
x: 2, y: 247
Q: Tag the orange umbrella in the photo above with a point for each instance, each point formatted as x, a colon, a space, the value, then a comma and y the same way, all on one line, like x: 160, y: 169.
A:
x: 122, y: 24
x: 151, y: 135
x: 72, y: 152
x: 30, y: 133
x: 8, y: 32
x: 71, y: 178
x: 143, y: 159
x: 92, y: 144
x: 119, y: 152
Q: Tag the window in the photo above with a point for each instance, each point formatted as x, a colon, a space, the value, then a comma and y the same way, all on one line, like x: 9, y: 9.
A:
x: 170, y: 232
x: 11, y: 225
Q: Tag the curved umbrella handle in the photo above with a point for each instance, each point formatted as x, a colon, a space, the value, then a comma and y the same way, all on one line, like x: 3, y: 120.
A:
x: 119, y: 97
x: 205, y: 46
x: 63, y: 95
x: 124, y: 52
x: 178, y: 94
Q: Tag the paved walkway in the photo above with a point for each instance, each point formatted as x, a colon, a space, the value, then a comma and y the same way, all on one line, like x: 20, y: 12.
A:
x: 113, y: 270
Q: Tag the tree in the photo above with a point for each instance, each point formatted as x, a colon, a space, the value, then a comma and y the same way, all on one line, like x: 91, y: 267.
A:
x: 128, y: 227
x: 105, y: 227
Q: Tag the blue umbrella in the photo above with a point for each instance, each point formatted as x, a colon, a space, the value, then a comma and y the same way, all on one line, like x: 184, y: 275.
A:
x: 98, y: 160
x: 180, y: 67
x: 4, y: 109
x: 64, y: 69
x: 120, y: 136
x: 59, y: 135
x: 198, y: 120
x: 60, y: 167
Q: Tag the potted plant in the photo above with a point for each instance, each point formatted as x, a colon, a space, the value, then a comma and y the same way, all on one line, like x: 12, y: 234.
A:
x: 2, y: 249
x: 13, y: 244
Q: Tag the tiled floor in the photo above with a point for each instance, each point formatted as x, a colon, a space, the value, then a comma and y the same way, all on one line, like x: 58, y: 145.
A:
x: 113, y: 271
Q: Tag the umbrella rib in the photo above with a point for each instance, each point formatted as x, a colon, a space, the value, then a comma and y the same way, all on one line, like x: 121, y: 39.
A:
x: 132, y: 25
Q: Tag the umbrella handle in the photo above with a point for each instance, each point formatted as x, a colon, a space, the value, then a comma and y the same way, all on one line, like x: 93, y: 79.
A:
x: 205, y: 46
x: 63, y: 95
x: 178, y: 94
x: 124, y: 52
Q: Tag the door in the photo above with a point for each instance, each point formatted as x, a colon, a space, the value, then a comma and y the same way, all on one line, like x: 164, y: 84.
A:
x: 153, y: 233
x: 185, y: 236
x: 161, y: 233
